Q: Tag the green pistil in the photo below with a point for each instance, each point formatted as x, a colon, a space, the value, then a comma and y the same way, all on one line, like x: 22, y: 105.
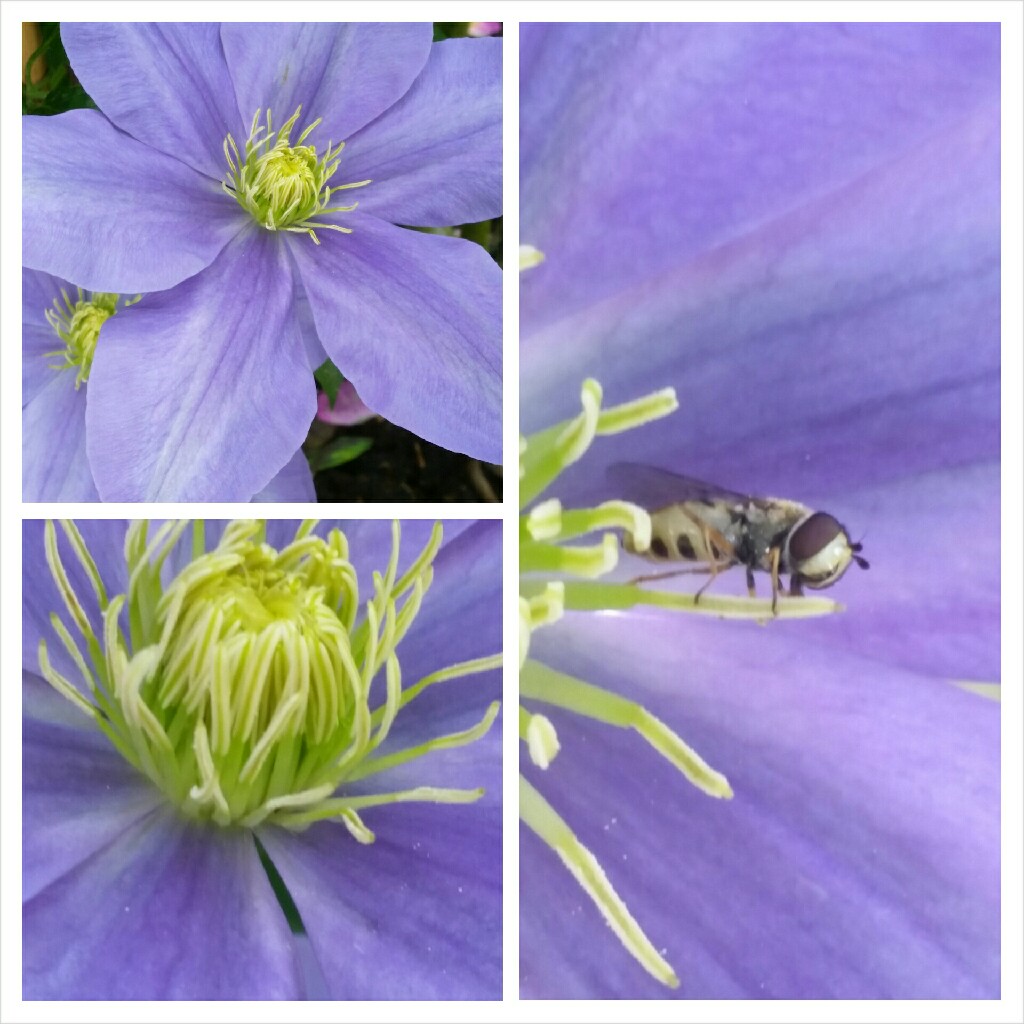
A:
x: 545, y: 596
x: 284, y: 186
x: 245, y: 687
x: 77, y: 323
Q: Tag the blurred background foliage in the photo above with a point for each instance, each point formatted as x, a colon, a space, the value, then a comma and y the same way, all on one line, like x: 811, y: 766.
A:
x: 48, y: 84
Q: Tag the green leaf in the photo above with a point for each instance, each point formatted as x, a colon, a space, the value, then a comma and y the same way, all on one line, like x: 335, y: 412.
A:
x: 450, y: 29
x: 338, y: 452
x: 57, y: 90
x: 330, y: 378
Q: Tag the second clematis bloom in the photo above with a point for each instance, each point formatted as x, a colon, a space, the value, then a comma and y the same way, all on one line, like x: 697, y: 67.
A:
x: 61, y: 329
x: 248, y: 181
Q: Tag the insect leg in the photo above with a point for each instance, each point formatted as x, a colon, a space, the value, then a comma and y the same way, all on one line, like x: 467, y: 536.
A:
x: 773, y: 556
x: 751, y: 589
x: 668, y: 575
x: 795, y: 586
x: 722, y: 552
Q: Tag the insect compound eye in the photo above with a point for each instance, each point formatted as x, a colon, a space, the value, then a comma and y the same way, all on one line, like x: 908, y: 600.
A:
x: 812, y: 536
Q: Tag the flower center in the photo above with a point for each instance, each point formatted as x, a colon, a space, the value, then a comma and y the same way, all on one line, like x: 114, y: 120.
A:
x: 284, y: 186
x: 78, y: 325
x: 243, y: 688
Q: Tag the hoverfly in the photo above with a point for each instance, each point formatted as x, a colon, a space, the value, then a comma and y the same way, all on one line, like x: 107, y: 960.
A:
x: 701, y: 522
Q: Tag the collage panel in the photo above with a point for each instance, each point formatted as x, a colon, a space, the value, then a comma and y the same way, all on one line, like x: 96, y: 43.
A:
x: 756, y: 540
x: 262, y: 262
x: 262, y: 760
x: 760, y: 260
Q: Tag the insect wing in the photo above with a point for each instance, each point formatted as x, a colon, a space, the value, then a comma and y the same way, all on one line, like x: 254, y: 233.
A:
x: 653, y: 488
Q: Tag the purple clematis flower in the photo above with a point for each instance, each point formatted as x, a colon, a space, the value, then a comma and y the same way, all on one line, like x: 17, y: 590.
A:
x: 61, y: 326
x: 797, y: 227
x: 144, y: 880
x: 214, y: 183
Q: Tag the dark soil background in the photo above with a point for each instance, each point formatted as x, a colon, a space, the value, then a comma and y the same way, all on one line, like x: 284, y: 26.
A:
x: 400, y: 466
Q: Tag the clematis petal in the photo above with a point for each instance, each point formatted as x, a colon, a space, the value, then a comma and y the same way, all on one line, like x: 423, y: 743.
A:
x: 204, y: 393
x: 414, y: 321
x: 858, y: 859
x: 194, y: 918
x: 166, y: 85
x: 433, y: 933
x: 934, y: 543
x: 112, y: 214
x: 38, y: 337
x: 435, y: 157
x: 857, y: 341
x: 647, y: 145
x: 54, y: 466
x: 293, y: 483
x: 79, y: 795
x: 348, y: 74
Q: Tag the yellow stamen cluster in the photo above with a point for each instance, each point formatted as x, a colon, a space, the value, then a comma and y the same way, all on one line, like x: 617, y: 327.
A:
x: 281, y: 184
x: 77, y: 323
x: 244, y: 688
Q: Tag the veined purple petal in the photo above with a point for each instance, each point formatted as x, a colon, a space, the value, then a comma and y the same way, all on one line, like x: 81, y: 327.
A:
x: 38, y: 337
x: 931, y: 601
x: 166, y: 85
x: 204, y: 393
x: 54, y: 466
x: 78, y: 796
x: 112, y: 214
x: 432, y: 932
x: 293, y: 483
x: 168, y: 910
x: 347, y: 74
x: 41, y: 703
x: 435, y: 157
x: 859, y: 318
x: 643, y: 146
x: 858, y: 859
x: 414, y: 321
